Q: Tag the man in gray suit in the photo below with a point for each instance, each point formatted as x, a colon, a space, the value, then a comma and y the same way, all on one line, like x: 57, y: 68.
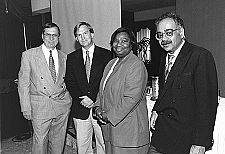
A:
x: 43, y: 96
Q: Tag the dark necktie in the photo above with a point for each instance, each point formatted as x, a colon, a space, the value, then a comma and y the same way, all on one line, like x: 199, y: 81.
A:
x: 87, y: 65
x: 169, y: 65
x: 52, y: 66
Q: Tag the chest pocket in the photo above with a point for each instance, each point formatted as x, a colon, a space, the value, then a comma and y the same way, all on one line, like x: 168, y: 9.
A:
x: 184, y: 80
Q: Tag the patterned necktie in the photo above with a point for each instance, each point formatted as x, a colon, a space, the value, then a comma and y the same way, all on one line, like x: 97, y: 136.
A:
x: 87, y: 65
x: 169, y: 65
x: 52, y: 67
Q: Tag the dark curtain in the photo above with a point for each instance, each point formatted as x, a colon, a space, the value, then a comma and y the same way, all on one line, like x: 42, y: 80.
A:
x: 13, y: 14
x: 11, y: 46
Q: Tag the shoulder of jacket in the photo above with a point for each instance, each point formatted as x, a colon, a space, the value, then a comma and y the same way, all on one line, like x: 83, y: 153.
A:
x: 31, y: 50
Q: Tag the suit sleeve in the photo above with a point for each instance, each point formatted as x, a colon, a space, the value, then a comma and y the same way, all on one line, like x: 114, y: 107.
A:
x: 206, y: 91
x: 24, y: 83
x: 134, y: 88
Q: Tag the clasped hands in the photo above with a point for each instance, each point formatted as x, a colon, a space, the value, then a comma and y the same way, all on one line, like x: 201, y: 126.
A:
x: 100, y: 115
x: 97, y: 112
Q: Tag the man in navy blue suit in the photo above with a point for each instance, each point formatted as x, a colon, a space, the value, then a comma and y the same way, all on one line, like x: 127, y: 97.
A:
x: 183, y: 117
x: 85, y: 67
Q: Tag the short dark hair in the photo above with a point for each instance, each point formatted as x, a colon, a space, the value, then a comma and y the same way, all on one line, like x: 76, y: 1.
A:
x: 177, y: 19
x: 126, y: 30
x: 91, y: 30
x: 50, y: 25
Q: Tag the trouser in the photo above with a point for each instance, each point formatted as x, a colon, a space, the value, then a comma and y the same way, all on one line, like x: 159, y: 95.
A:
x: 49, y: 134
x: 84, y: 131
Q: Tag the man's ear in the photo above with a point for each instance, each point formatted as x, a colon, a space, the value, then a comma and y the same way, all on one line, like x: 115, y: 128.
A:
x: 92, y: 35
x: 182, y: 32
x: 42, y: 36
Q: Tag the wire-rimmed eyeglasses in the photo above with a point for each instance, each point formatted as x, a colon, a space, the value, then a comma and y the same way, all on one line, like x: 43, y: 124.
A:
x: 51, y: 35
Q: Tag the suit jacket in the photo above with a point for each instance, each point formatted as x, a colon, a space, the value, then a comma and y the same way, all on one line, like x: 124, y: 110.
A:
x: 187, y: 102
x: 76, y: 79
x: 124, y: 101
x: 37, y: 90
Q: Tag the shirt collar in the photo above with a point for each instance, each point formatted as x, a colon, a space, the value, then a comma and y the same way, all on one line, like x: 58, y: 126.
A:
x: 178, y: 50
x: 91, y: 50
x: 46, y: 50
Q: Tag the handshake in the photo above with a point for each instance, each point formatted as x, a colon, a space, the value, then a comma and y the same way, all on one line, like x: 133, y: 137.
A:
x: 100, y: 115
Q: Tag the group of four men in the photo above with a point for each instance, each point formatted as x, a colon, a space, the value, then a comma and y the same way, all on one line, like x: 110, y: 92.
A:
x: 183, y: 117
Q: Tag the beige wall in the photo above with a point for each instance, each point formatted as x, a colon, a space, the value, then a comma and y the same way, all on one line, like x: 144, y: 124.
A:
x: 104, y: 20
x: 205, y: 26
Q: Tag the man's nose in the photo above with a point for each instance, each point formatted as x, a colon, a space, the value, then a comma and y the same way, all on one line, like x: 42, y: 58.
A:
x: 82, y: 36
x: 52, y: 37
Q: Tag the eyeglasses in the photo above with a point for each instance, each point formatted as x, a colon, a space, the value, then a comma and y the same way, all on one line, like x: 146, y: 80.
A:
x: 51, y: 35
x: 168, y: 32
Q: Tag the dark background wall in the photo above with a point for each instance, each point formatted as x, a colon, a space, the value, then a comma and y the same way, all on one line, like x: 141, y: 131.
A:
x: 205, y: 26
x: 12, y: 45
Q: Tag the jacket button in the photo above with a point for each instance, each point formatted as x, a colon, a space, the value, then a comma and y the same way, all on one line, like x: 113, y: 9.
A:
x: 44, y: 87
x: 49, y: 96
x: 89, y: 92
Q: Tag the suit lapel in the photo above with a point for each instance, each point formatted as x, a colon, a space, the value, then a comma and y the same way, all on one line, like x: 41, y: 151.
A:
x: 178, y: 66
x: 43, y: 66
x: 95, y: 61
x: 61, y: 69
x: 107, y: 69
x: 80, y: 70
x: 118, y: 65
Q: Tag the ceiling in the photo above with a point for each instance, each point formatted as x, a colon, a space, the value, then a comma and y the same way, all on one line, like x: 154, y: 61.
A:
x: 141, y: 5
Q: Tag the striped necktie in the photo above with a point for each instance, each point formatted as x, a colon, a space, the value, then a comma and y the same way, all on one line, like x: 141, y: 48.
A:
x: 88, y: 65
x: 168, y: 65
x: 52, y: 66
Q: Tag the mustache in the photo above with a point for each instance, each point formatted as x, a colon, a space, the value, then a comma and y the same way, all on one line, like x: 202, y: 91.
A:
x: 166, y: 42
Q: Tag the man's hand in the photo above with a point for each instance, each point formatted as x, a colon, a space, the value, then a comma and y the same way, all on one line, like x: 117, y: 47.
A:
x: 195, y: 149
x: 153, y: 118
x: 27, y: 115
x: 98, y: 113
x: 86, y: 102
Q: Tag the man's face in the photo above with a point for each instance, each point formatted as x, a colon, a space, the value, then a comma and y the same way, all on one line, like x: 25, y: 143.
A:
x: 50, y: 37
x: 122, y: 44
x: 84, y: 37
x: 170, y: 35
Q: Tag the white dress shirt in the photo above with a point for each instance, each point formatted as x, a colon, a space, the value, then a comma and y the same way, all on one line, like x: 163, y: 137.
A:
x: 175, y: 54
x: 91, y: 53
x: 54, y: 55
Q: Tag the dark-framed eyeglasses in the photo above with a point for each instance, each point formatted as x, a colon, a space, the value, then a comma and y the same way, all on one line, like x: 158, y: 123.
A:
x: 167, y: 32
x: 51, y: 35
